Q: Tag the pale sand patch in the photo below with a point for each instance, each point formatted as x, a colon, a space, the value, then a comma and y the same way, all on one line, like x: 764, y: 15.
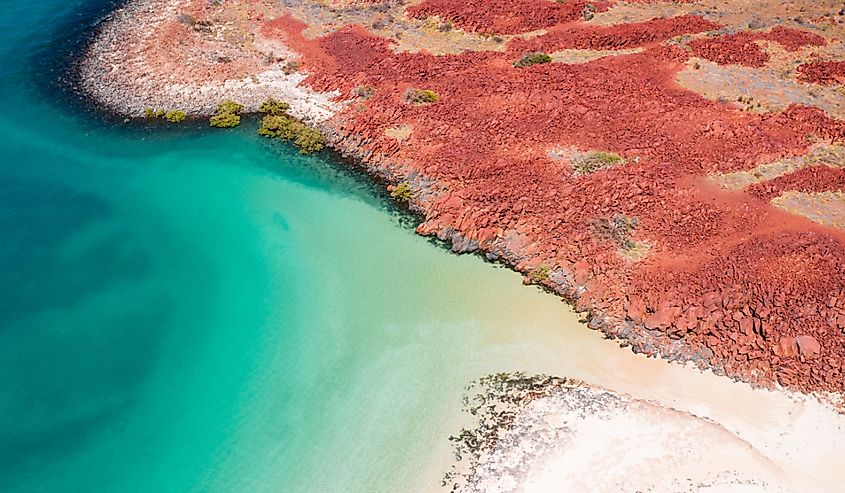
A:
x: 570, y: 436
x: 623, y: 445
x: 625, y: 13
x: 573, y: 56
x: 827, y: 208
x: 399, y: 132
x: 773, y: 90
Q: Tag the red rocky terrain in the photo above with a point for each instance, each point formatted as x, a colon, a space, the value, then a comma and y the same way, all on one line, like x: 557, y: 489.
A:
x: 645, y: 243
x: 823, y: 73
x: 727, y: 280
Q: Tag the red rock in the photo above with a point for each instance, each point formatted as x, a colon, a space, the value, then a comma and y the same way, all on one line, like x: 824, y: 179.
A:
x: 636, y: 309
x: 808, y: 346
x: 787, y: 347
x: 488, y: 138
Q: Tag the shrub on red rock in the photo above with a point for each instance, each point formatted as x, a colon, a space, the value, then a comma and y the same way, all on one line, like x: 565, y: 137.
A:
x: 529, y: 59
x: 421, y: 96
x: 617, y: 229
x: 363, y: 92
x: 402, y: 192
x: 593, y: 161
x: 539, y: 274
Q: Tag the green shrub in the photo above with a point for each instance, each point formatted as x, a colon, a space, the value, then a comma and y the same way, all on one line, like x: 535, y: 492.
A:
x: 421, y: 96
x: 540, y: 273
x: 225, y: 120
x: 273, y: 107
x: 175, y: 116
x: 588, y: 12
x: 152, y: 114
x: 309, y: 140
x: 276, y: 126
x: 594, y: 161
x: 227, y: 115
x: 402, y: 192
x: 231, y: 107
x: 363, y: 92
x: 291, y: 67
x: 529, y: 59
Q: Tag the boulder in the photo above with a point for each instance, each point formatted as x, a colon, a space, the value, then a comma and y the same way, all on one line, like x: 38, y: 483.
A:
x: 808, y: 346
x: 787, y: 347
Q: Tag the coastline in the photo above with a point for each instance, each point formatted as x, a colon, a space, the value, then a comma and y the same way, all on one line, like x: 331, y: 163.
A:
x: 127, y: 94
x: 448, y: 215
x: 718, y: 337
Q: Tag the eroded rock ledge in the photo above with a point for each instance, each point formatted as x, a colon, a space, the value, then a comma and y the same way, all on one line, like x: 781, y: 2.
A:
x: 748, y: 281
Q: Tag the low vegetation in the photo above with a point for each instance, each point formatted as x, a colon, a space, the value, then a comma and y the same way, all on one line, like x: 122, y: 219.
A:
x: 278, y: 124
x: 617, y: 229
x: 228, y: 115
x: 309, y: 140
x: 291, y: 67
x: 529, y: 59
x: 175, y: 116
x: 152, y: 114
x: 274, y: 107
x: 363, y: 92
x: 402, y: 192
x: 421, y: 96
x: 539, y: 274
x: 588, y: 12
x: 229, y: 106
x: 225, y: 120
x: 748, y: 103
x: 593, y: 161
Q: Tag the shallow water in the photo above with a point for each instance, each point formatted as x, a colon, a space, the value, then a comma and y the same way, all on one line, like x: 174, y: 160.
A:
x: 192, y: 310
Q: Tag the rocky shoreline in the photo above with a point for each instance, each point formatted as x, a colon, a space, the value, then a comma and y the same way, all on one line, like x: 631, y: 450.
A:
x: 741, y: 305
x: 254, y: 76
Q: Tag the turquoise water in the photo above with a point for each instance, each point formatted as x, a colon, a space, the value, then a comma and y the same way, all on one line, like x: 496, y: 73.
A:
x: 193, y: 310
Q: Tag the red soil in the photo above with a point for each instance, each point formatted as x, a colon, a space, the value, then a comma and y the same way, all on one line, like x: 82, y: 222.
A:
x: 813, y: 179
x: 504, y: 16
x: 589, y: 37
x: 741, y: 49
x: 823, y: 73
x: 728, y: 274
x: 791, y: 39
